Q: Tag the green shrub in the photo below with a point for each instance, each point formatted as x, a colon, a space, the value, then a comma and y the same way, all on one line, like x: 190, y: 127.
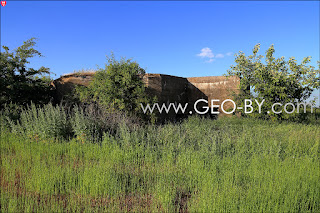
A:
x: 274, y: 80
x: 91, y: 122
x: 44, y: 122
x: 20, y: 84
x: 117, y: 87
x: 9, y: 112
x: 87, y: 123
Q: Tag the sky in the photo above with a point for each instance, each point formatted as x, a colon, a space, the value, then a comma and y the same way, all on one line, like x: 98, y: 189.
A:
x: 182, y: 38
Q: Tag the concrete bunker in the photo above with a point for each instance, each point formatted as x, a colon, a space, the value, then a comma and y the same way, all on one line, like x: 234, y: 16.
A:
x: 167, y: 89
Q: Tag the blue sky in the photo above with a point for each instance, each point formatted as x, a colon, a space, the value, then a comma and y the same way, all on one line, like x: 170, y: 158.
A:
x: 183, y: 38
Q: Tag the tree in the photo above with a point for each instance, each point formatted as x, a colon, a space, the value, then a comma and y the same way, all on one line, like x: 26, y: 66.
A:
x: 19, y: 84
x: 117, y: 87
x: 274, y: 80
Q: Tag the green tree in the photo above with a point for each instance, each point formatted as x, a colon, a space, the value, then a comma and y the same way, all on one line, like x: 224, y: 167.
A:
x: 18, y: 83
x: 117, y: 87
x: 275, y: 80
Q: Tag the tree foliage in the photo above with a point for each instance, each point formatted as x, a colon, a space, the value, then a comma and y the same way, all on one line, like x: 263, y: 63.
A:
x: 18, y: 83
x: 275, y: 80
x: 119, y: 86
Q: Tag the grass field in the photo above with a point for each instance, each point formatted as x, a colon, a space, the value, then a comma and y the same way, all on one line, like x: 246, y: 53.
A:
x: 199, y: 165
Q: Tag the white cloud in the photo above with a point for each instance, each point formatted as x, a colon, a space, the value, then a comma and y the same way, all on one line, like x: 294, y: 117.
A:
x: 219, y: 55
x: 210, y: 60
x: 206, y: 53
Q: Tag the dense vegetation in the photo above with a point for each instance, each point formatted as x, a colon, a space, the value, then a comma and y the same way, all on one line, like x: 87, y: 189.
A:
x: 102, y: 155
x: 229, y: 164
x: 20, y: 84
x: 118, y: 87
x: 274, y: 80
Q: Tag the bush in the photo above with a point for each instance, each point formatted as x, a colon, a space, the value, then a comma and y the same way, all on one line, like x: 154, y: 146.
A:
x: 274, y: 81
x: 87, y: 123
x: 118, y: 87
x: 9, y: 112
x: 19, y: 84
x: 43, y: 122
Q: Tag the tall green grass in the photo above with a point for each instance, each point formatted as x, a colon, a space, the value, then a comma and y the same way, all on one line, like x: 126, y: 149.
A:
x: 45, y: 122
x: 85, y: 123
x: 199, y: 165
